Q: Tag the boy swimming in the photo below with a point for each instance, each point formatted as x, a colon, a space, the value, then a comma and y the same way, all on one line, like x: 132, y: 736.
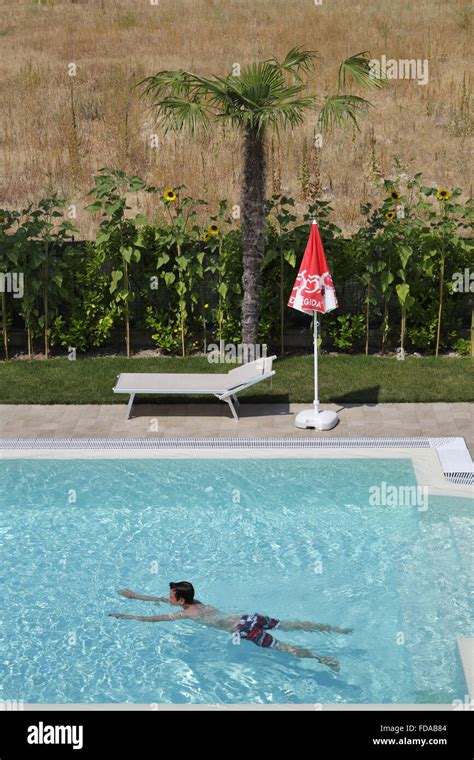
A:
x: 254, y: 627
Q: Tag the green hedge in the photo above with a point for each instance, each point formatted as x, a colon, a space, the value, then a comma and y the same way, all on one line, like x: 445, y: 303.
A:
x: 400, y: 280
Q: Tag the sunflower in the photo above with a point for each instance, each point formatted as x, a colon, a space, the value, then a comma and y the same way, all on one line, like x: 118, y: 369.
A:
x: 169, y: 196
x: 390, y: 215
x: 443, y: 194
x: 395, y: 195
x: 213, y: 229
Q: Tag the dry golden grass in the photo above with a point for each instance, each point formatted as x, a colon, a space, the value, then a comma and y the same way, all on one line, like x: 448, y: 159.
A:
x: 56, y: 131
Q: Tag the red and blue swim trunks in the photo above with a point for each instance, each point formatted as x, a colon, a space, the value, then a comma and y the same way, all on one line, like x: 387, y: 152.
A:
x: 254, y: 628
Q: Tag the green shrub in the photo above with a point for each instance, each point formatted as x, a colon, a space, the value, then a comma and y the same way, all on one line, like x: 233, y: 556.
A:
x: 462, y: 346
x: 347, y: 331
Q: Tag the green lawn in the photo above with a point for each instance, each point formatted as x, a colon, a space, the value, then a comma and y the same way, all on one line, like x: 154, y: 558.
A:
x: 345, y: 379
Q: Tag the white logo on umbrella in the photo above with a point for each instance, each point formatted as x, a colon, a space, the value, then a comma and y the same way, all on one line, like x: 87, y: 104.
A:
x: 307, y: 285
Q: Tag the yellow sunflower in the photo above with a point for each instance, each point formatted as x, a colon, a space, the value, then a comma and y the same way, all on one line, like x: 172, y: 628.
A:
x: 443, y: 194
x: 390, y: 215
x: 395, y: 195
x: 213, y: 229
x: 169, y: 195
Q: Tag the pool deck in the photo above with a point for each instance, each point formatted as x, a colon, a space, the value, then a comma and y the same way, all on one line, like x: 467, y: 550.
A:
x: 213, y: 419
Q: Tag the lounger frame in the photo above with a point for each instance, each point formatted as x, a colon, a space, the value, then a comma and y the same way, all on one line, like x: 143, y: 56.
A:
x: 227, y: 394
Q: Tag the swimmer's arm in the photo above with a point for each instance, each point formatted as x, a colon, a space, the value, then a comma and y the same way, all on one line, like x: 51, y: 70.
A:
x: 149, y: 618
x: 143, y: 597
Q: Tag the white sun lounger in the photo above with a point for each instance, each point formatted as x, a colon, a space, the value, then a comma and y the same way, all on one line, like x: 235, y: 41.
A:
x: 224, y: 387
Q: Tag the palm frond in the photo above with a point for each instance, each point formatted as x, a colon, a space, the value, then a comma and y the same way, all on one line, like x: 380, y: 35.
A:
x: 230, y: 91
x: 288, y: 113
x: 164, y: 83
x: 337, y: 110
x: 259, y: 97
x: 296, y: 60
x: 261, y: 83
x: 179, y: 100
x: 357, y: 68
x: 176, y: 114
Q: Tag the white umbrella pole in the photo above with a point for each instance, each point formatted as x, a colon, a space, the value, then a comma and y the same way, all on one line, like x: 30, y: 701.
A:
x: 315, y: 332
x: 313, y: 418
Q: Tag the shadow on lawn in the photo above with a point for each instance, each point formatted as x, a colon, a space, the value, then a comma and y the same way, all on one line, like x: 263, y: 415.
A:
x: 368, y: 396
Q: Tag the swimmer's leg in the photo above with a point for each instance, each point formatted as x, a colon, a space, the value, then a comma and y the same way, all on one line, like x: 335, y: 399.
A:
x: 297, y: 651
x: 306, y: 625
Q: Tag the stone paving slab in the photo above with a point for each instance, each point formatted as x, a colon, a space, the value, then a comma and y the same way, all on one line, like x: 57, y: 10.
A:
x: 213, y: 419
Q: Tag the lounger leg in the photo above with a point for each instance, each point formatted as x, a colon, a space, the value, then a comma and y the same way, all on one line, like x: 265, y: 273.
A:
x: 236, y: 402
x: 228, y: 400
x: 129, y: 406
x: 232, y: 408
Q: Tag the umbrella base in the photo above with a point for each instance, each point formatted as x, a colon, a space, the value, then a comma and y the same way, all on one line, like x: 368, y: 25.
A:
x: 310, y: 418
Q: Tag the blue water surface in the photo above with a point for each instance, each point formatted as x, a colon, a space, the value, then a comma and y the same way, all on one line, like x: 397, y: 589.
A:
x: 296, y: 539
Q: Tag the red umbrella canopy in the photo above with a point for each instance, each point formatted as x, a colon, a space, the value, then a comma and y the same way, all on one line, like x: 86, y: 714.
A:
x: 313, y: 289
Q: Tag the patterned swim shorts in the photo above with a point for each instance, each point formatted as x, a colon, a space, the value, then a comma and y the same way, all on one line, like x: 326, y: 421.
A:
x: 254, y: 627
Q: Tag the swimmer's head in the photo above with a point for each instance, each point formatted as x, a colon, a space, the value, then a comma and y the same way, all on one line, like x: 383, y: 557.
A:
x: 181, y: 593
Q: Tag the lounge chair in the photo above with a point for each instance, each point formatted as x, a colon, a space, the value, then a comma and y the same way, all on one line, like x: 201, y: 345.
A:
x: 224, y: 387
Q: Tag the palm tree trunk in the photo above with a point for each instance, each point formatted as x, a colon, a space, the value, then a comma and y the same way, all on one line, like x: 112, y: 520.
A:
x: 253, y: 232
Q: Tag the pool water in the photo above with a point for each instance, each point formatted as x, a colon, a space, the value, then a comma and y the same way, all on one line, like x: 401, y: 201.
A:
x: 296, y: 539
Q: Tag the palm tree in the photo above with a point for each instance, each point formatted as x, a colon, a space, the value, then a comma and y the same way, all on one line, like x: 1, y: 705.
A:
x: 268, y: 95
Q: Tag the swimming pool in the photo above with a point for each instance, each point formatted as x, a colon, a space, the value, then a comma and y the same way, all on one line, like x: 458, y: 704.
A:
x: 293, y: 538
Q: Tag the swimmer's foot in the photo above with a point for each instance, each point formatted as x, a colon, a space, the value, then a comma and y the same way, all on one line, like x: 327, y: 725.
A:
x: 331, y: 662
x: 324, y: 627
x: 342, y: 630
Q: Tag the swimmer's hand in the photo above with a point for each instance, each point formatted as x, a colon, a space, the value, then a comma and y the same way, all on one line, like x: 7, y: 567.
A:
x: 127, y: 593
x: 148, y: 618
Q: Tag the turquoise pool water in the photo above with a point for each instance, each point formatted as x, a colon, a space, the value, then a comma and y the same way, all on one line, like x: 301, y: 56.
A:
x: 292, y: 538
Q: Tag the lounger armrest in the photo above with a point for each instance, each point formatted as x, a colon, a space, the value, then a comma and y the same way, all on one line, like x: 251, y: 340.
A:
x: 250, y: 370
x: 243, y: 384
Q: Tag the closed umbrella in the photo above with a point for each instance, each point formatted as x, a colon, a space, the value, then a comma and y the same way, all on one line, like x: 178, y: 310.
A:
x: 314, y: 292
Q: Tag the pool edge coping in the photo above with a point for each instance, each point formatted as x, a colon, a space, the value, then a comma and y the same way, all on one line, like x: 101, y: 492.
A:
x: 452, y: 453
x: 461, y: 704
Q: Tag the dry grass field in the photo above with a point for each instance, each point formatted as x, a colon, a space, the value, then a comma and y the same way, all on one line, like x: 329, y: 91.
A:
x: 57, y: 130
